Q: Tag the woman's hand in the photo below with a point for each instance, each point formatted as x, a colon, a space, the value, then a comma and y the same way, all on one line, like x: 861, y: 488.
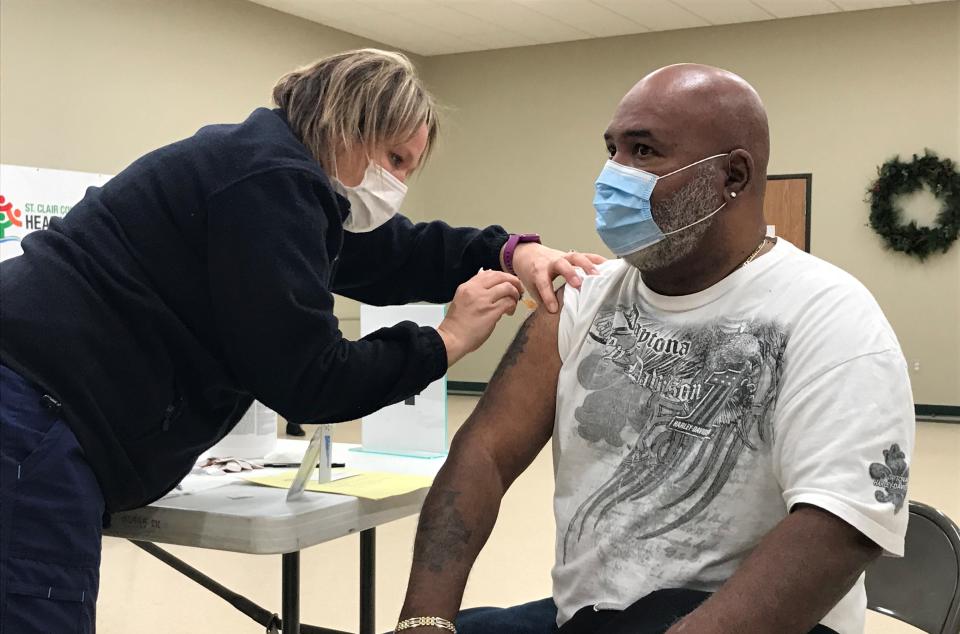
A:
x: 537, y: 266
x: 479, y: 304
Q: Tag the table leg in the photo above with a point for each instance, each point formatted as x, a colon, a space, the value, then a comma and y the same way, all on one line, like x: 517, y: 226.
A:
x: 290, y: 601
x: 368, y: 577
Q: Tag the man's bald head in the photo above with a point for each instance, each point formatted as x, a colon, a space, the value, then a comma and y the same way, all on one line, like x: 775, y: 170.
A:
x: 712, y: 121
x: 702, y: 110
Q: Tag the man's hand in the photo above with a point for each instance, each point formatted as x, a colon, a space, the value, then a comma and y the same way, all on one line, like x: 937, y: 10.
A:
x: 512, y: 422
x: 800, y: 570
x: 537, y: 266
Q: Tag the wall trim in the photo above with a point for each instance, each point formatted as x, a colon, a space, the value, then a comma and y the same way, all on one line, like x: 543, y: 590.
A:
x: 469, y: 388
x: 932, y: 413
x: 938, y: 413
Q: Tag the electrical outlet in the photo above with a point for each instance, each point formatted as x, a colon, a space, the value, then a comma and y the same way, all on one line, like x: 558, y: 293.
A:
x: 916, y: 366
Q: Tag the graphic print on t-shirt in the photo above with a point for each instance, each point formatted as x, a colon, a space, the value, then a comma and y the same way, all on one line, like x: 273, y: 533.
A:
x: 891, y: 476
x: 684, y: 402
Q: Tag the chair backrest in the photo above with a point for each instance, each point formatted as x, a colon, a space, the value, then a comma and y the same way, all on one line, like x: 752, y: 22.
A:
x: 923, y: 587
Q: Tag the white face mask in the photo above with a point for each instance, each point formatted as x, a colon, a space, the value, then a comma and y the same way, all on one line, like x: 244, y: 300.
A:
x: 374, y: 201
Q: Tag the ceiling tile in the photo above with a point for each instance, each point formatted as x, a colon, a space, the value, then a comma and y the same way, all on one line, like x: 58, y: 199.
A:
x: 436, y: 27
x: 425, y: 41
x: 795, y: 8
x: 726, y: 12
x: 519, y: 18
x: 339, y: 14
x: 504, y: 39
x: 586, y: 16
x: 432, y: 14
x: 656, y: 15
x: 857, y: 5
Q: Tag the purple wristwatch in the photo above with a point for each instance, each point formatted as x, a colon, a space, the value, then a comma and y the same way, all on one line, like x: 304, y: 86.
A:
x: 511, y: 246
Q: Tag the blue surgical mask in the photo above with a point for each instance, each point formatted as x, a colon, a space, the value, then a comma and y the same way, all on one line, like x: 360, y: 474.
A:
x: 624, y: 217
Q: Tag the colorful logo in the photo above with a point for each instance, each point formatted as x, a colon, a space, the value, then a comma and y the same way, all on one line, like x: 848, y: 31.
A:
x: 9, y: 217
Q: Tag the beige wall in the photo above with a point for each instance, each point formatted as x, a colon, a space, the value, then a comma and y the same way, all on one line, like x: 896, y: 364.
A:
x: 522, y: 144
x: 91, y: 85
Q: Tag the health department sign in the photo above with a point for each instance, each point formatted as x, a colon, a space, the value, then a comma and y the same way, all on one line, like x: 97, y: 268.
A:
x: 30, y: 197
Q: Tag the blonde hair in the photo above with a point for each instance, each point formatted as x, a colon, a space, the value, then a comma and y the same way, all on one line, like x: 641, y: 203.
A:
x: 363, y: 99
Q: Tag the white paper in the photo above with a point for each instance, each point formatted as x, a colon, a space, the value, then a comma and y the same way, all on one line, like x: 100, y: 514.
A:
x: 197, y: 483
x: 419, y: 424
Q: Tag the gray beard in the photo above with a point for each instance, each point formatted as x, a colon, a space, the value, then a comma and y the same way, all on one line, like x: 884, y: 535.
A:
x: 690, y: 203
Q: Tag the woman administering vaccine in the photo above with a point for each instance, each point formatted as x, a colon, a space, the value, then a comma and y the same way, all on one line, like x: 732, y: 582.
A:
x: 138, y: 330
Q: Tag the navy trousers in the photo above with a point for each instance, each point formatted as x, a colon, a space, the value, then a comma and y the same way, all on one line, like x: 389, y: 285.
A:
x: 51, y: 518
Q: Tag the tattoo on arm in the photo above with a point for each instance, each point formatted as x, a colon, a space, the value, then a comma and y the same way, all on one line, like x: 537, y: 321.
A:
x: 510, y: 358
x: 443, y: 534
x: 512, y: 355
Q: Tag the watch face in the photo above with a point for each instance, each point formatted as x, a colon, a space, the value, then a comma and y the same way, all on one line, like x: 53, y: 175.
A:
x: 529, y: 237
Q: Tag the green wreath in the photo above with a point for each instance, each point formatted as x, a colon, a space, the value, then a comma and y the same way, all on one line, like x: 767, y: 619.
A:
x: 897, y: 178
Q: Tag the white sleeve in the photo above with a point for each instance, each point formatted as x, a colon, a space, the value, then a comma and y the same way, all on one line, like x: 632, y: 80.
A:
x: 568, y: 321
x: 580, y: 304
x: 843, y: 443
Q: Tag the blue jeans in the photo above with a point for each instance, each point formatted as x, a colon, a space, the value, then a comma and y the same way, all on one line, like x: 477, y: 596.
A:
x: 51, y: 514
x: 653, y: 614
x: 536, y: 617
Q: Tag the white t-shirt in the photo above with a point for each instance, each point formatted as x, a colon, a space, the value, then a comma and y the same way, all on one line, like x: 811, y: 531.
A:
x: 687, y: 427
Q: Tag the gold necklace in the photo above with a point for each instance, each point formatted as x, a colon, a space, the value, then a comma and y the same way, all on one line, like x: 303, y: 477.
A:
x: 755, y: 253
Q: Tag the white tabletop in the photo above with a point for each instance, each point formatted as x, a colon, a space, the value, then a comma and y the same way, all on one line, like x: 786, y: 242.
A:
x: 243, y: 517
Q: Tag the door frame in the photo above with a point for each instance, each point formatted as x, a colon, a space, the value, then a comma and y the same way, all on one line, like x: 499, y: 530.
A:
x: 809, y: 185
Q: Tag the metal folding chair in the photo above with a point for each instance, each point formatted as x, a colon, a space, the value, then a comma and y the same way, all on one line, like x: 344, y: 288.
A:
x: 923, y: 587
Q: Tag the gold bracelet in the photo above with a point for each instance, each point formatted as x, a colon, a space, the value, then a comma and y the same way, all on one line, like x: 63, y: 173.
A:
x: 425, y: 621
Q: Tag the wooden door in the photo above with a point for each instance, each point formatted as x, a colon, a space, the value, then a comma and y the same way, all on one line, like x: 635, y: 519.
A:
x: 786, y: 208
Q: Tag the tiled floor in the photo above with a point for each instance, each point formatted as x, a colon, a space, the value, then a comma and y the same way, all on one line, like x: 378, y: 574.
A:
x: 139, y: 594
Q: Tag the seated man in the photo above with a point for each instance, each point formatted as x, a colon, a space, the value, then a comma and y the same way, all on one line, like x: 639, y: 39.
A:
x: 731, y: 417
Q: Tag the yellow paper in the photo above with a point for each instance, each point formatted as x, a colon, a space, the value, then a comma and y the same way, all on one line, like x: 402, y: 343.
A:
x: 372, y: 485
